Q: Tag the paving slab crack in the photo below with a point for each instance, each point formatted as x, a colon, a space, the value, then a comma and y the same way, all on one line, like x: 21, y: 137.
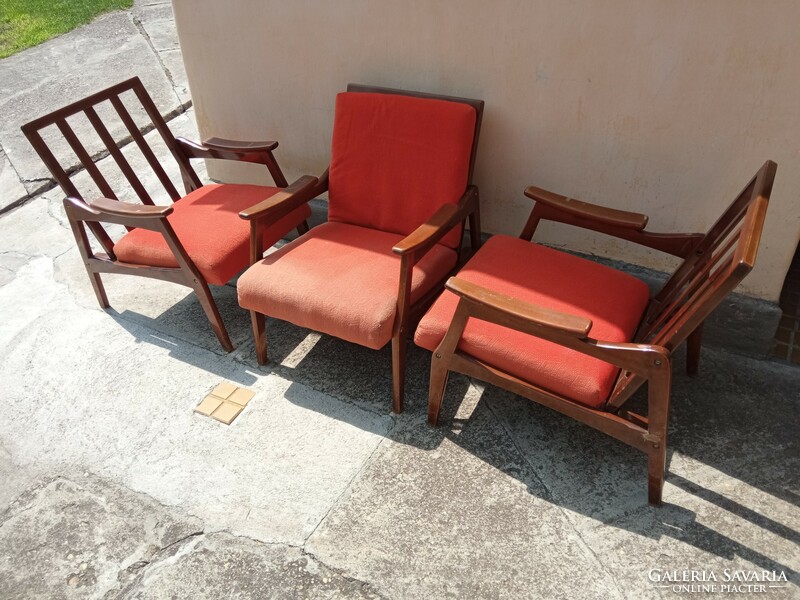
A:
x: 167, y: 73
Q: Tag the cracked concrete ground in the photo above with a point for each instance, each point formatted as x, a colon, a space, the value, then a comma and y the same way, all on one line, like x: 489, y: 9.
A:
x: 111, y: 487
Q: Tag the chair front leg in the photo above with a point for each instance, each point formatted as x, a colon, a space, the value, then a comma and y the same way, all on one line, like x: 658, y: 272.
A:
x: 658, y: 389
x: 399, y: 342
x: 399, y: 345
x: 440, y: 362
x: 259, y: 335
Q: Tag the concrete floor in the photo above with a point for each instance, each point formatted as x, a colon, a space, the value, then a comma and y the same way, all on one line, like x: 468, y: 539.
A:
x: 111, y: 487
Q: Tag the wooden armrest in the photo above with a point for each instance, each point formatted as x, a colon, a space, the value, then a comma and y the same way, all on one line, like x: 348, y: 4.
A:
x: 518, y: 310
x: 239, y: 146
x: 125, y: 209
x: 439, y: 225
x: 289, y: 198
x: 431, y: 231
x: 225, y: 149
x: 585, y: 210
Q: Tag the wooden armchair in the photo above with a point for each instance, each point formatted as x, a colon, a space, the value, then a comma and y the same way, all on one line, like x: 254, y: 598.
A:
x: 399, y: 193
x: 199, y: 238
x: 580, y: 337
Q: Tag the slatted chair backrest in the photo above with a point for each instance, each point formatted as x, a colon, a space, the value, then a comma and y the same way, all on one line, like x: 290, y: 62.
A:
x: 719, y: 263
x: 87, y: 106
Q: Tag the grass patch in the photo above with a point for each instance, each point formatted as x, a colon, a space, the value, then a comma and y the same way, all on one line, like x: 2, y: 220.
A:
x: 25, y: 23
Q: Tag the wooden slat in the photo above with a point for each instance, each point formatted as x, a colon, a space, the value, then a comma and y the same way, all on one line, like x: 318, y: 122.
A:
x: 78, y: 106
x: 51, y: 162
x: 119, y: 158
x: 685, y: 295
x: 86, y: 160
x: 144, y: 148
x: 190, y: 178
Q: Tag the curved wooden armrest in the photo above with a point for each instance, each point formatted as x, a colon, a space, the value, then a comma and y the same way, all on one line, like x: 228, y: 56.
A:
x: 225, y: 149
x: 289, y: 198
x: 238, y: 145
x: 430, y: 232
x: 128, y: 210
x: 585, y: 210
x: 439, y: 225
x: 517, y: 311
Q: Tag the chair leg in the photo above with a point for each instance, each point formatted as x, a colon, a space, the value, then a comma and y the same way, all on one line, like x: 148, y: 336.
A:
x: 475, y: 229
x: 439, y: 374
x: 656, y: 464
x: 99, y: 289
x: 212, y: 313
x: 693, y: 344
x: 259, y: 335
x: 398, y: 370
x: 658, y: 392
x: 302, y: 228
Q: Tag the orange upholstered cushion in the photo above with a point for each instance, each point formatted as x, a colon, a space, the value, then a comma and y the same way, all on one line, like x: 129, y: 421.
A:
x: 614, y: 301
x: 396, y: 159
x: 341, y: 280
x: 207, y: 223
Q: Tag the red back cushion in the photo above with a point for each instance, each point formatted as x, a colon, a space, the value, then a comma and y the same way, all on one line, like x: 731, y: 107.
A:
x: 397, y: 159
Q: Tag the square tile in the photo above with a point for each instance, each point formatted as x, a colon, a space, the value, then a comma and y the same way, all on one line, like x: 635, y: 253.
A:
x: 208, y: 405
x: 227, y: 412
x: 223, y: 390
x: 241, y: 396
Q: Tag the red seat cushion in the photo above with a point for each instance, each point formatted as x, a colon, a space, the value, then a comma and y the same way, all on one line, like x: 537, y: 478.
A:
x: 396, y: 159
x: 207, y: 223
x: 339, y: 279
x: 614, y: 301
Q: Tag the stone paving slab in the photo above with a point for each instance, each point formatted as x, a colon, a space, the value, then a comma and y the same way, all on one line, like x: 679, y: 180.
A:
x: 81, y: 537
x: 272, y: 475
x: 11, y: 189
x: 223, y: 566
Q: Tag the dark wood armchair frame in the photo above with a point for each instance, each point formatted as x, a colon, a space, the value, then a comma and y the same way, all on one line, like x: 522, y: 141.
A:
x: 91, y: 215
x: 410, y: 250
x: 713, y: 265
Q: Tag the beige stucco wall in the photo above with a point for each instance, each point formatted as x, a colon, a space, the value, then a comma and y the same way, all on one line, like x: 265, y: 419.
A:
x: 664, y: 107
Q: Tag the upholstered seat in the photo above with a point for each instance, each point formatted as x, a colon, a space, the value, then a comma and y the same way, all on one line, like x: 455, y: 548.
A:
x: 614, y: 301
x: 340, y: 279
x: 207, y: 223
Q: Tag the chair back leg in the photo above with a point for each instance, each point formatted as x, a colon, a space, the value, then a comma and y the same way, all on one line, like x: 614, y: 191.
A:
x: 693, y: 344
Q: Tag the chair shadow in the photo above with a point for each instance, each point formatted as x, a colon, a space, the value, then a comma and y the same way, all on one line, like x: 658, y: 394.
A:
x: 186, y: 333
x: 605, y: 480
x: 553, y: 448
x: 614, y: 495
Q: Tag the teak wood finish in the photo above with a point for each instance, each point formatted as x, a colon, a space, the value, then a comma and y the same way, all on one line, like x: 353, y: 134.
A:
x: 92, y: 214
x: 713, y: 265
x: 410, y: 250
